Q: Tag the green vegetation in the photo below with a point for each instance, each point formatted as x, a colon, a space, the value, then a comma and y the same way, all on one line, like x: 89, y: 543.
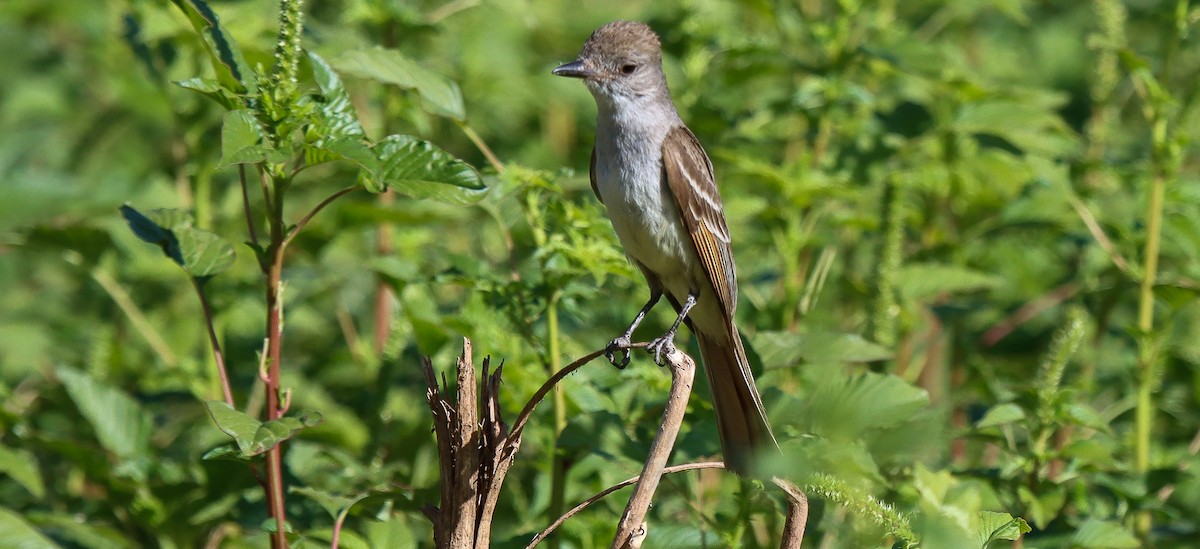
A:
x: 967, y: 237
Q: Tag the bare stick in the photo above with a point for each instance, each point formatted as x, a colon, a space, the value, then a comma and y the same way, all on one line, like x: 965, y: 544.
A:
x: 316, y: 209
x: 627, y: 482
x: 527, y: 411
x: 797, y: 516
x: 246, y: 206
x: 214, y: 342
x: 466, y: 452
x: 683, y: 373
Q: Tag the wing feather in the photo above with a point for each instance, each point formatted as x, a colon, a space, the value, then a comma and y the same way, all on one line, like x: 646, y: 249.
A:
x: 592, y: 175
x: 689, y: 175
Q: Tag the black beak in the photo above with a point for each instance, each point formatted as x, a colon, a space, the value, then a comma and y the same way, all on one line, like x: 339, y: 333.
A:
x: 574, y: 69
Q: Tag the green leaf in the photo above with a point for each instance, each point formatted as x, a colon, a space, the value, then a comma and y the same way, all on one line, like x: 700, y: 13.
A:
x: 231, y: 68
x: 204, y: 254
x: 77, y: 532
x: 786, y: 349
x: 120, y: 424
x: 212, y: 89
x: 241, y: 135
x: 1099, y: 534
x: 391, y: 67
x: 254, y: 437
x: 228, y: 451
x: 349, y: 148
x: 918, y: 281
x: 201, y: 254
x: 241, y: 427
x: 1044, y: 506
x: 22, y: 467
x: 1000, y: 526
x: 842, y: 408
x: 1001, y: 414
x: 271, y: 433
x: 1082, y: 414
x: 421, y: 170
x: 335, y: 113
x: 18, y: 533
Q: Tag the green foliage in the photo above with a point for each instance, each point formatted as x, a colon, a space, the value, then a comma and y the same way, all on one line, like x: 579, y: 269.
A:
x: 965, y: 231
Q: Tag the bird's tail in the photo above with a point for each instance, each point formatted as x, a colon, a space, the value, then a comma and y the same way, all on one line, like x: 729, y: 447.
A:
x: 741, y: 417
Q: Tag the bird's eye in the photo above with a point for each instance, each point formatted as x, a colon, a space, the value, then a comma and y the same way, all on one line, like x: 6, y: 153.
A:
x: 628, y: 68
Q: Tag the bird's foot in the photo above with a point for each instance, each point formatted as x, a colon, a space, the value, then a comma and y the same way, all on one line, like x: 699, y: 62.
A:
x: 662, y: 348
x: 618, y: 345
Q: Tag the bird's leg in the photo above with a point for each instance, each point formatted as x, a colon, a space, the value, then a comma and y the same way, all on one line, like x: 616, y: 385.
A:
x: 663, y: 346
x: 622, y: 343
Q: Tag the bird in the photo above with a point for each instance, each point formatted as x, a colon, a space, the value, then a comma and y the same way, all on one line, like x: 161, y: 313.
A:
x: 657, y: 184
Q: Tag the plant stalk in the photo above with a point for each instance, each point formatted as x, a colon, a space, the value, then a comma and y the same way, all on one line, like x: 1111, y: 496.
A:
x: 1144, y: 413
x: 558, y: 486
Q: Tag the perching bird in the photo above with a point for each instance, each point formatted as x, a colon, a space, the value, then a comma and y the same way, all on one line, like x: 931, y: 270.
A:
x: 658, y: 186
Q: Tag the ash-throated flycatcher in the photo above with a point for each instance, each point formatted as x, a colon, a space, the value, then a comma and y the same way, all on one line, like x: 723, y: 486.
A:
x: 657, y: 184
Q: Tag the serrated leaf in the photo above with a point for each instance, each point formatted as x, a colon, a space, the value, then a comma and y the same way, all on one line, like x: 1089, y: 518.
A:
x: 120, y: 424
x: 1001, y: 414
x: 22, y: 467
x: 1000, y: 526
x: 227, y: 60
x: 1099, y: 534
x: 786, y: 349
x: 392, y: 67
x: 18, y: 533
x: 421, y: 170
x: 241, y: 136
x: 842, y: 408
x: 239, y: 426
x: 335, y: 113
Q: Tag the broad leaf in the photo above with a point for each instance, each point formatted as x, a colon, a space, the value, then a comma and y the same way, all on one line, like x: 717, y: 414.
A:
x: 843, y: 408
x: 231, y: 68
x: 240, y: 426
x: 349, y: 148
x: 22, y: 467
x: 1098, y: 534
x: 1000, y: 526
x: 120, y: 424
x: 1001, y: 414
x: 917, y: 281
x: 204, y: 254
x: 212, y: 89
x: 18, y: 533
x: 241, y: 136
x: 419, y: 169
x: 271, y: 433
x: 201, y: 254
x: 785, y: 349
x: 392, y: 67
x: 335, y: 113
x: 254, y: 437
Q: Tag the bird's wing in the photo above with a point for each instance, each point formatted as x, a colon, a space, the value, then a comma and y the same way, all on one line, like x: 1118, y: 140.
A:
x: 689, y: 175
x: 592, y: 175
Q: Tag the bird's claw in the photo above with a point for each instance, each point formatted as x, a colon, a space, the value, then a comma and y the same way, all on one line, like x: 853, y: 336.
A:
x: 621, y: 345
x: 662, y: 348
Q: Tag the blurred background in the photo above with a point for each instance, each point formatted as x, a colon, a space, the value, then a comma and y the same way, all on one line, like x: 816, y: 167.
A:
x: 945, y: 215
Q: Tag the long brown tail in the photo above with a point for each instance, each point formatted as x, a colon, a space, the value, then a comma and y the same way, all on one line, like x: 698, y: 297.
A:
x: 741, y: 418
